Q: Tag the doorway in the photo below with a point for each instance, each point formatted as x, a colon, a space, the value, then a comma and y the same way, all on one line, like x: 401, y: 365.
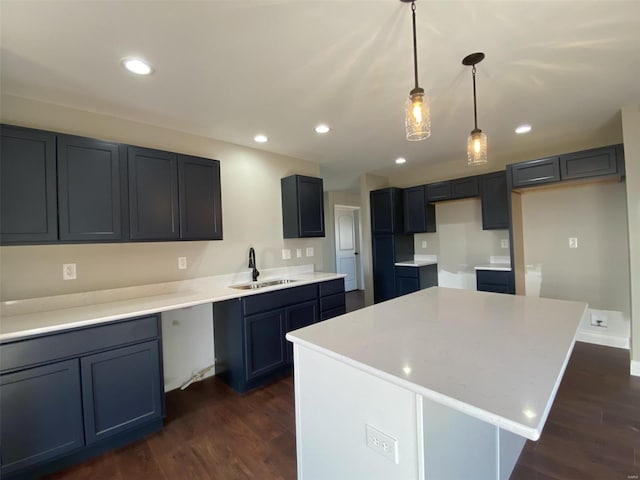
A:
x: 347, y: 236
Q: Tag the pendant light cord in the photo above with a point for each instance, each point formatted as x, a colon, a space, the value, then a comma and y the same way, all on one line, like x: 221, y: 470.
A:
x: 415, y: 48
x: 475, y: 112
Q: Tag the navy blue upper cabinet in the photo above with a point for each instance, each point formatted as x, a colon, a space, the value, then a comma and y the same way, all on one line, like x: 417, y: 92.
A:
x: 28, y: 181
x: 200, y: 198
x: 153, y: 194
x: 386, y: 211
x: 439, y: 191
x: 89, y: 189
x: 302, y: 206
x: 41, y: 415
x: 597, y: 162
x: 465, y: 187
x: 419, y: 217
x: 535, y: 172
x: 495, y: 201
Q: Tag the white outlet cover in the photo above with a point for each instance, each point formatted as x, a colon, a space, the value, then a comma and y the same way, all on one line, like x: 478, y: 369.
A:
x: 182, y: 263
x: 382, y: 443
x: 424, y: 244
x: 69, y: 271
x: 573, y: 242
x: 299, y: 252
x: 309, y: 251
x: 286, y: 254
x: 504, y: 243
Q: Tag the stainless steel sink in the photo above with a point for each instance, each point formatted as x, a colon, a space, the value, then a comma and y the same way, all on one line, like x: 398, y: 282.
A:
x: 266, y: 283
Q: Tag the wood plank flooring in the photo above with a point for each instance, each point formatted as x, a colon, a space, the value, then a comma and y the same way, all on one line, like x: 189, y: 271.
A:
x: 593, y: 431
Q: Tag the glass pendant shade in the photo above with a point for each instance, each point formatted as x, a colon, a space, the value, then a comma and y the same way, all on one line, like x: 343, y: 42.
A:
x: 477, y: 148
x: 417, y: 116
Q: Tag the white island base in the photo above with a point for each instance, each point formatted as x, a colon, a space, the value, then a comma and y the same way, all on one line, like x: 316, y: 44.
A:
x: 432, y: 374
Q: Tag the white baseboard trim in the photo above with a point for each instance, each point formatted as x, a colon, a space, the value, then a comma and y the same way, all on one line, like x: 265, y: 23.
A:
x: 606, y: 340
x: 635, y: 368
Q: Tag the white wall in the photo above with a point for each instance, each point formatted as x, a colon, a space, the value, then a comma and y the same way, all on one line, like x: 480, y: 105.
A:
x: 460, y: 243
x: 631, y: 128
x: 596, y: 272
x: 251, y: 204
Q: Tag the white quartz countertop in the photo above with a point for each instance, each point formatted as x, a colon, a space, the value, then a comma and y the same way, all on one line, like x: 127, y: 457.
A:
x: 23, y: 318
x: 502, y: 267
x: 415, y: 263
x: 496, y: 357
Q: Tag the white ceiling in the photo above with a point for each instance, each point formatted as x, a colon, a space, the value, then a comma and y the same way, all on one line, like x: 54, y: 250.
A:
x: 229, y: 69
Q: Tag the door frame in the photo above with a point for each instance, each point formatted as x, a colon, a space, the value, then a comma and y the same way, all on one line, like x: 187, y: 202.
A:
x: 358, y: 235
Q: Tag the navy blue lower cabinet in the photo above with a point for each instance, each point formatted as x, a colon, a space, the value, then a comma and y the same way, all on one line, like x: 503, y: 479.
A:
x: 412, y: 279
x: 41, y: 415
x: 299, y: 316
x: 121, y: 389
x: 497, y: 281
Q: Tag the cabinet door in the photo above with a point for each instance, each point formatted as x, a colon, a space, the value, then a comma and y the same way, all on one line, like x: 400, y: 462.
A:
x: 535, y: 172
x: 28, y: 181
x: 590, y: 163
x: 89, y: 190
x: 200, y: 198
x: 40, y: 414
x: 153, y: 194
x: 311, y: 206
x: 494, y: 281
x: 406, y: 285
x: 495, y: 201
x: 264, y: 343
x: 299, y: 316
x: 419, y: 217
x: 439, y: 191
x: 386, y: 211
x: 465, y: 187
x: 384, y: 283
x: 121, y: 389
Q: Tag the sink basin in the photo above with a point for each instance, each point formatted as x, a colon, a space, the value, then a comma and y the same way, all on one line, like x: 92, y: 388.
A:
x: 266, y: 283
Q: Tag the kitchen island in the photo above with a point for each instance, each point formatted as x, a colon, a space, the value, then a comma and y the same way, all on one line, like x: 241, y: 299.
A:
x: 441, y: 383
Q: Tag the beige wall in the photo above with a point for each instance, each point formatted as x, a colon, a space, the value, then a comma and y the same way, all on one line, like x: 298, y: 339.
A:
x: 251, y: 213
x: 460, y: 243
x: 631, y: 134
x: 331, y: 199
x: 597, y: 271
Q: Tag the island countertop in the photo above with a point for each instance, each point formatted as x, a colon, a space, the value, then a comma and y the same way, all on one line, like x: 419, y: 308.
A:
x: 499, y: 358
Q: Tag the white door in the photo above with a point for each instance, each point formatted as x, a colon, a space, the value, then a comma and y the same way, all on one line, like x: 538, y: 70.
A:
x: 346, y: 253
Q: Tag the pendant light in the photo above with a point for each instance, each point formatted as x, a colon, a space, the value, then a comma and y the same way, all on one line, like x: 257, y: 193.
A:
x: 417, y: 112
x: 477, y: 141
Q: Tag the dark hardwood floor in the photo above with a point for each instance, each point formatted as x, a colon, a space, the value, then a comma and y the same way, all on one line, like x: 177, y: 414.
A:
x: 593, y: 431
x: 354, y: 300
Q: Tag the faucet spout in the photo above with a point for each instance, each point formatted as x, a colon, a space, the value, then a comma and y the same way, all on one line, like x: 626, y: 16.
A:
x: 252, y: 264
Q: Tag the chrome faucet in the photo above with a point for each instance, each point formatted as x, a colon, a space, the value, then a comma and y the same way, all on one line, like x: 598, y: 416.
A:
x: 252, y: 264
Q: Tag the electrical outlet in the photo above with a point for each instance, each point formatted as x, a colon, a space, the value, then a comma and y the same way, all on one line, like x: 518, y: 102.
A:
x: 182, y: 263
x: 309, y: 251
x: 299, y: 252
x: 424, y: 244
x: 382, y: 443
x: 69, y: 271
x: 573, y: 242
x: 504, y: 243
x: 598, y: 319
x: 286, y: 254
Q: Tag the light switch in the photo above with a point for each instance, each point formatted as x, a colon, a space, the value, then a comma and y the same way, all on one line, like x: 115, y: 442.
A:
x: 182, y: 263
x: 286, y: 254
x: 309, y: 251
x: 298, y: 252
x: 573, y: 242
x: 424, y: 244
x: 504, y: 243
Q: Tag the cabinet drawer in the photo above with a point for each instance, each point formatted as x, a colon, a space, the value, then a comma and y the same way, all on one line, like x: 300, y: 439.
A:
x: 494, y: 281
x: 331, y: 287
x: 535, y: 172
x: 76, y: 342
x: 278, y: 299
x: 411, y: 272
x: 332, y: 301
x: 334, y: 312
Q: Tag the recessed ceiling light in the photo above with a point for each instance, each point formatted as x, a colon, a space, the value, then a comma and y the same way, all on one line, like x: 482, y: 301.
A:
x: 322, y: 129
x: 401, y: 160
x: 137, y: 66
x: 260, y: 138
x: 523, y: 129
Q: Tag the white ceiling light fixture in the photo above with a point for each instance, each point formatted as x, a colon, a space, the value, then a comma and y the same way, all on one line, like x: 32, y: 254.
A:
x: 417, y: 118
x: 322, y: 128
x: 261, y: 138
x: 523, y: 129
x: 477, y: 141
x: 137, y: 66
x: 401, y: 160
